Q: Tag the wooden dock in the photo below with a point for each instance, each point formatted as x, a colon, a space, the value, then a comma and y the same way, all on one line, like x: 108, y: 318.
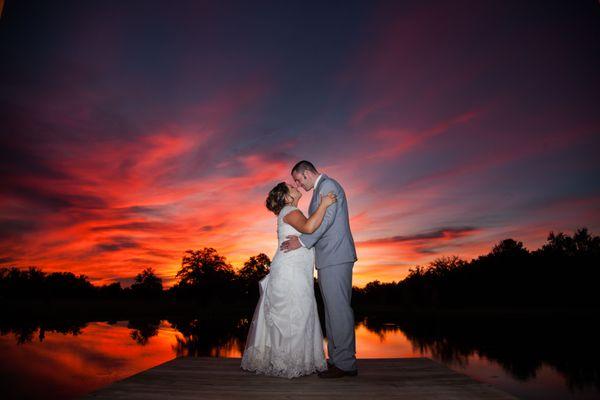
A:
x: 221, y: 378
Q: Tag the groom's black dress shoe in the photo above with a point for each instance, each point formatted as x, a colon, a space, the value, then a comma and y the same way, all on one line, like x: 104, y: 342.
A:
x: 329, y: 365
x: 335, y: 372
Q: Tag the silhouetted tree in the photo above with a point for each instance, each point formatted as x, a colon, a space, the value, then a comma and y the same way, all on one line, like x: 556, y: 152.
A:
x: 205, y: 275
x: 22, y: 283
x: 256, y: 268
x: 68, y: 285
x: 110, y: 291
x: 147, y: 284
x: 581, y: 244
x: 509, y: 248
x: 568, y: 268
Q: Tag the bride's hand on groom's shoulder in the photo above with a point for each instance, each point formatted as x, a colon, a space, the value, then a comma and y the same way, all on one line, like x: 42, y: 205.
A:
x: 329, y: 198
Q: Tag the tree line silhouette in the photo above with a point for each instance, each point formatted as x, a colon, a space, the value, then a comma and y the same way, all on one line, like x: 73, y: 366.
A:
x: 562, y: 273
x: 204, y: 277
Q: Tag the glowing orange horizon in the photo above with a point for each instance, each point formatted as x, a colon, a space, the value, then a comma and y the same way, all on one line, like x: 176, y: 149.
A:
x: 137, y: 218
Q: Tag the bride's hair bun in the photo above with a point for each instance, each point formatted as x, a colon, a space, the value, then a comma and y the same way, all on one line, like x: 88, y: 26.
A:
x: 276, y: 198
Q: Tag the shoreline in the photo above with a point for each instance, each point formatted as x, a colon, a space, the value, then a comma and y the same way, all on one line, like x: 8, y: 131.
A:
x: 123, y: 309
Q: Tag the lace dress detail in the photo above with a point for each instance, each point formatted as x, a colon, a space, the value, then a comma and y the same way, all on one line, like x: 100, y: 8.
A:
x: 285, y: 337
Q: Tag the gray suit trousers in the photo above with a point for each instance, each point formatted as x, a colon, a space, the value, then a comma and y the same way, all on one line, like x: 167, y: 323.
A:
x: 335, y: 282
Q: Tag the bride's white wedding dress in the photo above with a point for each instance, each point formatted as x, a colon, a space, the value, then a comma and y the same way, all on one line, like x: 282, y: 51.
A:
x: 285, y: 337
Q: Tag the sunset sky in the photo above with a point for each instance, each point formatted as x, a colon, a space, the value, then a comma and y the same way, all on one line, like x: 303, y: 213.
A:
x: 133, y: 131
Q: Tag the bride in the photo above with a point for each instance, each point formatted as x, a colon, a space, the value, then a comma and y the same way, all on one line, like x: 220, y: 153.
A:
x: 285, y: 337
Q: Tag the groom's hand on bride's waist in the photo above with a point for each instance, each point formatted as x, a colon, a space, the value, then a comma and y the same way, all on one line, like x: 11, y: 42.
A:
x: 292, y: 243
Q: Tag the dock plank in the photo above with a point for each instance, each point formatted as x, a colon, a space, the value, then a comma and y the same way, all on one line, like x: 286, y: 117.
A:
x: 221, y: 378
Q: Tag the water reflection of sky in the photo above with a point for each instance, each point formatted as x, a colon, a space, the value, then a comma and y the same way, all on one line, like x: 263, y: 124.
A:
x: 64, y: 365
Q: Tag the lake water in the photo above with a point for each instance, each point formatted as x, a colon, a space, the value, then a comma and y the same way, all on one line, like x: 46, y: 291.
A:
x: 531, y: 358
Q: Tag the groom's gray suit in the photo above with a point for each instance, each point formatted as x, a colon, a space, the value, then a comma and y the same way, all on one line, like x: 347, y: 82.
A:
x: 335, y: 255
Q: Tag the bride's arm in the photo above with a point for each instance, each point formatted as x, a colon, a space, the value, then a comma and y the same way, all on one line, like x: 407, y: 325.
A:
x: 302, y: 224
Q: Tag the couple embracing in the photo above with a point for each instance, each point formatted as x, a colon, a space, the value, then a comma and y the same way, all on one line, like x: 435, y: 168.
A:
x: 285, y: 337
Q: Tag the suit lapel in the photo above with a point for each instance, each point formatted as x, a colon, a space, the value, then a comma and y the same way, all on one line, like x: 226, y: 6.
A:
x: 314, y: 201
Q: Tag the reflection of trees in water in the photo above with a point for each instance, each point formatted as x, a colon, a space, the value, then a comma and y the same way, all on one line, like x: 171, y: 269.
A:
x: 208, y: 336
x: 143, y: 329
x: 520, y: 345
x: 25, y: 330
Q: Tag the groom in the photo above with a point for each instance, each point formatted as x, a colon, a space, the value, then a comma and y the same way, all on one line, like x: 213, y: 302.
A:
x: 334, y: 258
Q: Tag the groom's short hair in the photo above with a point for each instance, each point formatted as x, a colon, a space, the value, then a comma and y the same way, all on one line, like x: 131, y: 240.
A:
x: 302, y: 166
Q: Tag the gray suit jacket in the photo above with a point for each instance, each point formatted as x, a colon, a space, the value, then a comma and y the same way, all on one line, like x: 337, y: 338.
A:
x: 333, y: 240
